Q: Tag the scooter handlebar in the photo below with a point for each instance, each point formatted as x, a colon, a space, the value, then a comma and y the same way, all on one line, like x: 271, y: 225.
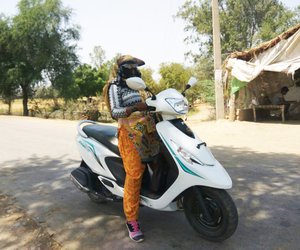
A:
x: 151, y: 108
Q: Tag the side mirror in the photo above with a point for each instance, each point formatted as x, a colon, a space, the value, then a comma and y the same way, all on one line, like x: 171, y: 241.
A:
x: 192, y: 81
x: 135, y: 83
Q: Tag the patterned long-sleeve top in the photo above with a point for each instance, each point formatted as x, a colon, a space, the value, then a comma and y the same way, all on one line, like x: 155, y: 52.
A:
x: 121, y: 97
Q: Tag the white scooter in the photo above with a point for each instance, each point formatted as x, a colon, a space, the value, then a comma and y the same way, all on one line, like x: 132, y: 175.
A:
x: 192, y: 179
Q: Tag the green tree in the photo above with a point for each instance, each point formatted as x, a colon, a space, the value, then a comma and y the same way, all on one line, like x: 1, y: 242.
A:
x: 174, y: 75
x: 147, y: 76
x: 243, y: 23
x: 44, y: 92
x: 43, y: 46
x: 8, y: 87
x: 90, y: 81
x: 8, y: 91
x: 205, y: 88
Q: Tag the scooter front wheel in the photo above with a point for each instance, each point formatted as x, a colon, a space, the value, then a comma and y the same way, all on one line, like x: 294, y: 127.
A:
x: 211, y: 212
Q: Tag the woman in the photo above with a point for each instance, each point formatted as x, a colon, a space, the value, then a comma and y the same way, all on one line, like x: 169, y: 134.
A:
x: 138, y: 142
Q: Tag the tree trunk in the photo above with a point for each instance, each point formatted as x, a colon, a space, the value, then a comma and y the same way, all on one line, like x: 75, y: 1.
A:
x: 232, y: 110
x: 9, y: 107
x: 25, y: 99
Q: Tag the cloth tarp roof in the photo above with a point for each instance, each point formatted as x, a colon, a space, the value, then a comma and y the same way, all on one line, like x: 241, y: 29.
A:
x: 283, y: 57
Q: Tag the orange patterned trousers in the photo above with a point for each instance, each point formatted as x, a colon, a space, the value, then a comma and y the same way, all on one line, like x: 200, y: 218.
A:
x: 134, y: 173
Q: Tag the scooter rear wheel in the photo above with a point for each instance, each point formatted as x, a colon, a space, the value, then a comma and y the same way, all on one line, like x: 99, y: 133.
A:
x: 211, y: 212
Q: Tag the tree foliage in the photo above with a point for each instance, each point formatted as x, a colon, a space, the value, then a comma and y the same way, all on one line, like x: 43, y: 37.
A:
x: 147, y: 76
x: 90, y: 81
x: 205, y: 88
x: 174, y: 75
x: 44, y: 92
x: 42, y: 46
x: 243, y: 23
x: 8, y: 87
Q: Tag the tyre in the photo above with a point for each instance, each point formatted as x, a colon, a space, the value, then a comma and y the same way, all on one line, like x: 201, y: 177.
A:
x: 211, y: 212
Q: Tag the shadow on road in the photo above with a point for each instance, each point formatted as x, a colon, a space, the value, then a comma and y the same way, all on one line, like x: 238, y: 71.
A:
x: 266, y: 191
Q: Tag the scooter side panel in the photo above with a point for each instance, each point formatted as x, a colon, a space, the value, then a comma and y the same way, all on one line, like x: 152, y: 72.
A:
x: 209, y: 173
x: 94, y: 153
x: 188, y: 175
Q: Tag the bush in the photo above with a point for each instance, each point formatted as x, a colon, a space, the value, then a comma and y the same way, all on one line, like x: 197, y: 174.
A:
x: 59, y: 109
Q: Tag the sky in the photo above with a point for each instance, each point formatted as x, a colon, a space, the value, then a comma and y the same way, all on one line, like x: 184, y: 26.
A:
x: 146, y: 29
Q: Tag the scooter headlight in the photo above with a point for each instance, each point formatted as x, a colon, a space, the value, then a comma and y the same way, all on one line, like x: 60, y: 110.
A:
x: 179, y: 105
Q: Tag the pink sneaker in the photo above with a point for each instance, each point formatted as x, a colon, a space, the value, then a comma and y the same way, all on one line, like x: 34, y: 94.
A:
x: 134, y: 230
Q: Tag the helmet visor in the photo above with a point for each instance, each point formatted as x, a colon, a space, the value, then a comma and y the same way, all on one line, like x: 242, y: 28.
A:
x: 130, y: 70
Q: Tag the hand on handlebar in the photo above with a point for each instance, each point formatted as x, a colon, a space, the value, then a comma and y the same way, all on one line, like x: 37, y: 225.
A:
x: 141, y: 106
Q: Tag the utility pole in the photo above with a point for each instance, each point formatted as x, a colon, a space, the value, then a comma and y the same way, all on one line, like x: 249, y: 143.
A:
x: 217, y: 61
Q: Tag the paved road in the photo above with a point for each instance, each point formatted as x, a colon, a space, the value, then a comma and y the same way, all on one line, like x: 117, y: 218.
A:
x: 36, y: 157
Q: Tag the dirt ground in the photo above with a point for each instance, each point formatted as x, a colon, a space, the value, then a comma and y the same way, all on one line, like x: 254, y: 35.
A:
x: 20, y: 231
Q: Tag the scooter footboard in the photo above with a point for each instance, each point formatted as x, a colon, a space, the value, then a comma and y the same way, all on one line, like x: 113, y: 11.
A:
x: 167, y: 201
x: 177, y: 189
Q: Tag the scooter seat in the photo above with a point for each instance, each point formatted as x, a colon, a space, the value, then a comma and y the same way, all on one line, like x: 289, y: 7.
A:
x: 106, y: 135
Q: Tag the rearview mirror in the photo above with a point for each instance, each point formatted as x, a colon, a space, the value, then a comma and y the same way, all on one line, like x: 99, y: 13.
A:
x: 135, y: 83
x: 192, y: 81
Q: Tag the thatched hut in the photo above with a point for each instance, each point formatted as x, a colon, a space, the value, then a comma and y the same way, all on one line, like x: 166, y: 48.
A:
x: 259, y: 73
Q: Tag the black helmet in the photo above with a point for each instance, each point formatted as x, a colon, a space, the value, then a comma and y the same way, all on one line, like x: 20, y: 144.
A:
x: 128, y: 66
